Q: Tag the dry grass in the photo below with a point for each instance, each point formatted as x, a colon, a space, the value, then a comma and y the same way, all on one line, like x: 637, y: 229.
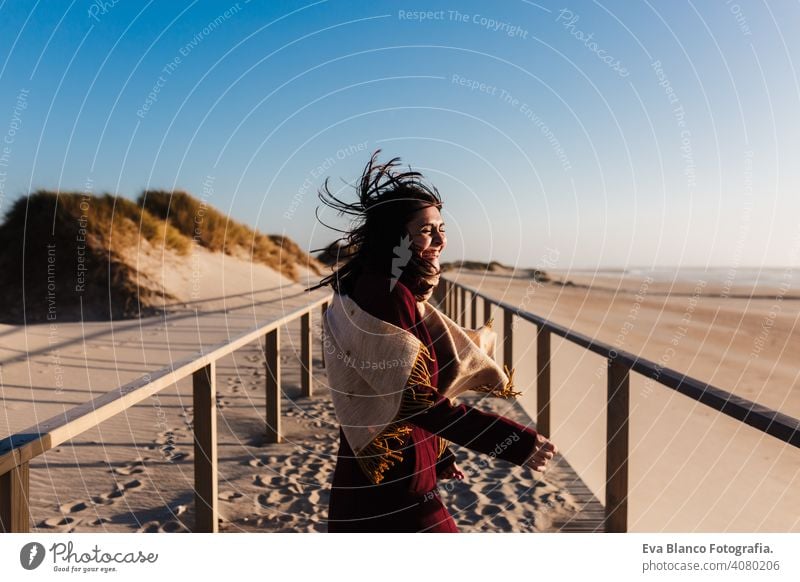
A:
x: 61, y: 260
x: 62, y: 252
x: 210, y: 228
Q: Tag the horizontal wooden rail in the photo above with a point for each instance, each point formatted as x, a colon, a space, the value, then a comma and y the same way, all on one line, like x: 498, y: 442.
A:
x: 16, y: 451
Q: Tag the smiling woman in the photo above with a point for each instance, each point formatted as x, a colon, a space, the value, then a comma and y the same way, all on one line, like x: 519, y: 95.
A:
x: 396, y: 421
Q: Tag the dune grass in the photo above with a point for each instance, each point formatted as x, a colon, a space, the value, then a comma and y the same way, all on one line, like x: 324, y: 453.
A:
x: 208, y: 227
x: 65, y: 251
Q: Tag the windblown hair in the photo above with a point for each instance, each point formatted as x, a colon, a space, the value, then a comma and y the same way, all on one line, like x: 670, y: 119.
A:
x: 387, y: 200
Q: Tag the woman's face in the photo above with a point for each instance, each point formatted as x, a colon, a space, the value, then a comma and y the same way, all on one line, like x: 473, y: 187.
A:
x: 427, y: 233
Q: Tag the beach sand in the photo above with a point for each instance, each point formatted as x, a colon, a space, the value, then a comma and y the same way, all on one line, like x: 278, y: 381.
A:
x: 135, y: 472
x: 691, y: 469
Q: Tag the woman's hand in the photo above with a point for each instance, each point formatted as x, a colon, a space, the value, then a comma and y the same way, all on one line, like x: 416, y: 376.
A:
x: 542, y: 453
x: 451, y: 472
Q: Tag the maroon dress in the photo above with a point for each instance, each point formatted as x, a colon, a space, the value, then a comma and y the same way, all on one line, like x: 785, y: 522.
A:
x: 406, y: 500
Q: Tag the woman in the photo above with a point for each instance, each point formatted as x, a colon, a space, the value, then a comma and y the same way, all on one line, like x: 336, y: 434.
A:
x: 395, y: 365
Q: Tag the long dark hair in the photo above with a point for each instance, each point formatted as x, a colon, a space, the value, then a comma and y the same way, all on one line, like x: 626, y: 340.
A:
x: 387, y: 199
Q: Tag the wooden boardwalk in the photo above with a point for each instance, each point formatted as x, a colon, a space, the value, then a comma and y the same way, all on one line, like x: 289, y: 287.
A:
x: 591, y: 514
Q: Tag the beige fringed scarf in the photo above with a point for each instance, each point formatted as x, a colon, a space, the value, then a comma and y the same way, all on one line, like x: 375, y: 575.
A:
x: 374, y: 368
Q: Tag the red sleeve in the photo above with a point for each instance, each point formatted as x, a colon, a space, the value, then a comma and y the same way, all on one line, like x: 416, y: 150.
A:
x: 480, y: 431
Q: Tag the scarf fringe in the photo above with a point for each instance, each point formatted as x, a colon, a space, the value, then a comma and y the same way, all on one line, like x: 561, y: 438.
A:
x: 506, y: 391
x: 442, y: 447
x: 379, y: 456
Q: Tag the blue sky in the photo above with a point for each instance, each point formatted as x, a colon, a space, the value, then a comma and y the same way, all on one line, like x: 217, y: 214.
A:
x: 570, y: 134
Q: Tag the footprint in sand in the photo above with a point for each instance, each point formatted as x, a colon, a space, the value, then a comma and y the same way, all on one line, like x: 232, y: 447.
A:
x: 466, y: 499
x: 295, y: 486
x: 73, y: 507
x: 319, y: 497
x: 133, y: 468
x: 301, y: 507
x: 118, y: 491
x: 497, y: 495
x: 269, y: 481
x: 132, y: 484
x: 229, y: 495
x: 104, y: 499
x: 53, y: 522
x: 169, y: 450
x: 273, y: 499
x: 169, y: 526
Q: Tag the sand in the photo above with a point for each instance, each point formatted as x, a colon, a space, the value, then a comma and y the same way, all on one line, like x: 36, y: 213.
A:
x: 135, y: 471
x: 691, y: 469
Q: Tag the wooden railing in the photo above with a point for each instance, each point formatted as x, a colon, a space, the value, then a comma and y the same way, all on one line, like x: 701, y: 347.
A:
x: 452, y: 297
x: 17, y: 451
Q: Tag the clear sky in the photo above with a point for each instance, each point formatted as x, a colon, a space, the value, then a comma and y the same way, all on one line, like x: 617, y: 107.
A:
x: 569, y: 134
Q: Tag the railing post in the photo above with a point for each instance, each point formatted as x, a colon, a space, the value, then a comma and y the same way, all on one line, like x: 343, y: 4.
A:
x: 437, y: 294
x: 462, y: 308
x: 616, y: 519
x: 272, y: 352
x: 474, y: 310
x: 543, y: 382
x: 449, y: 307
x: 322, y: 331
x: 14, y: 494
x: 305, y: 354
x: 205, y: 449
x: 487, y: 310
x: 508, y: 339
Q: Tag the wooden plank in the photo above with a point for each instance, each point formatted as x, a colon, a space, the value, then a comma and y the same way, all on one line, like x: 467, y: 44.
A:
x: 543, y: 382
x: 456, y: 301
x: 305, y: 354
x: 617, y: 448
x: 508, y: 338
x: 487, y: 310
x: 272, y: 352
x: 474, y: 311
x: 462, y: 306
x: 205, y: 449
x: 14, y: 495
x: 24, y: 446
